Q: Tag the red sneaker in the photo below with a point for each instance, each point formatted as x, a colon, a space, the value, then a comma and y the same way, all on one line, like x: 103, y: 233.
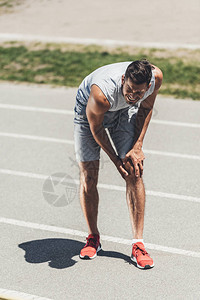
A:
x: 140, y: 256
x: 91, y: 248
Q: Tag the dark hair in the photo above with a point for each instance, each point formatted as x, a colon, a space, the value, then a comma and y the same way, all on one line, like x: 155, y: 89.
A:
x: 139, y: 72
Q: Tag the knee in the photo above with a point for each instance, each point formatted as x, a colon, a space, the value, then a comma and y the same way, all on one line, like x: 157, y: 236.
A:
x: 88, y: 181
x: 89, y: 175
x: 132, y: 179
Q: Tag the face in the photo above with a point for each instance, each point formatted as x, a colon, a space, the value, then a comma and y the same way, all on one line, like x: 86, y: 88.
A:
x: 133, y: 92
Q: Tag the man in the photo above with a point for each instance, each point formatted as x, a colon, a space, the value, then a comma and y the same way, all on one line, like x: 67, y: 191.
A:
x: 119, y: 97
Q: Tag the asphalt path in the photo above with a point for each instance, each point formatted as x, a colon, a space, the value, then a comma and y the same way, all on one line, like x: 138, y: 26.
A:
x: 41, y: 237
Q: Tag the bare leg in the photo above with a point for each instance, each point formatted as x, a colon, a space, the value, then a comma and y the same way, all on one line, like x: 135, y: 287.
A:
x: 135, y: 194
x: 89, y: 197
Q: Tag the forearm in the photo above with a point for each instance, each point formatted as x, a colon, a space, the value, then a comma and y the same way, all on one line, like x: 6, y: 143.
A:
x: 136, y: 154
x: 101, y: 137
x: 141, y: 124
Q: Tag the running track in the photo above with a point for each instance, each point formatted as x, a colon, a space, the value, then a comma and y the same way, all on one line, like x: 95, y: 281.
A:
x: 41, y: 242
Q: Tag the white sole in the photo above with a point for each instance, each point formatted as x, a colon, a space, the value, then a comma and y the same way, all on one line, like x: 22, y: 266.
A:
x: 85, y: 256
x: 146, y: 267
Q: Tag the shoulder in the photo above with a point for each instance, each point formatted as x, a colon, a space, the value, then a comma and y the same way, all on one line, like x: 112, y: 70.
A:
x: 158, y: 77
x: 97, y: 100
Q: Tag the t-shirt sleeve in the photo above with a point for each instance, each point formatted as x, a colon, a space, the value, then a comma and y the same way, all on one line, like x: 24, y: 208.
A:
x: 106, y: 86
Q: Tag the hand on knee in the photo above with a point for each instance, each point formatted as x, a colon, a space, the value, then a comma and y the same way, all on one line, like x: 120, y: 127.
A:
x: 128, y: 165
x: 129, y: 168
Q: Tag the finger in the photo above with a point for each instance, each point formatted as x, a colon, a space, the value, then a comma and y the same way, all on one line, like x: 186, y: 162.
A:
x: 137, y: 170
x: 129, y: 167
x: 124, y: 172
x: 125, y: 160
x: 141, y: 168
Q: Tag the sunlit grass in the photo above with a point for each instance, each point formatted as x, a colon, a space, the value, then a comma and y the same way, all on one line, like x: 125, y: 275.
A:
x: 10, y: 3
x: 67, y: 65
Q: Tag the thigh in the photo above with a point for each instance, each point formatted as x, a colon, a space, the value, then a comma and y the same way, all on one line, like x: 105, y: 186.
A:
x: 86, y: 148
x: 123, y: 134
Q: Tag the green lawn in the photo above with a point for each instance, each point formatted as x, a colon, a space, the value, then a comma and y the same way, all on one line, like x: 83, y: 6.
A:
x: 67, y: 65
x: 7, y: 6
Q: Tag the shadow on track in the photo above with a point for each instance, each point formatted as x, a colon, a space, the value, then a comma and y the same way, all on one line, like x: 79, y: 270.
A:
x: 59, y: 253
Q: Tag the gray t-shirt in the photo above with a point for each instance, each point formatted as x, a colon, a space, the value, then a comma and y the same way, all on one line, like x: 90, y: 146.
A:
x: 109, y: 79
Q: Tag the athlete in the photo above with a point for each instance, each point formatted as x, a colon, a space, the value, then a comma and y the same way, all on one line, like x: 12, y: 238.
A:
x: 119, y: 99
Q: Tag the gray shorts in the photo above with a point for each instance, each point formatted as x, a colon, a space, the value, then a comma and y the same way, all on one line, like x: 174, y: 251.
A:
x: 120, y: 125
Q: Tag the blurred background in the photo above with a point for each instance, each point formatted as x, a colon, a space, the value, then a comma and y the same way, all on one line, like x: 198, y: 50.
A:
x: 60, y: 41
x: 156, y: 21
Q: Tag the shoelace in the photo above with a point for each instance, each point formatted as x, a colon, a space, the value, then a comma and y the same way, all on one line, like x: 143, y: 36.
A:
x: 91, y: 242
x: 143, y: 251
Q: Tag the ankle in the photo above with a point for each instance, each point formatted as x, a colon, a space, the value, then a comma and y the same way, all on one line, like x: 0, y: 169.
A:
x: 94, y: 233
x: 137, y: 240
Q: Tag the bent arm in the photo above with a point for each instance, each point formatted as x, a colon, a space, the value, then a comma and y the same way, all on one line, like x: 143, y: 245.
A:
x: 145, y: 112
x: 143, y: 118
x: 142, y: 121
x: 97, y: 106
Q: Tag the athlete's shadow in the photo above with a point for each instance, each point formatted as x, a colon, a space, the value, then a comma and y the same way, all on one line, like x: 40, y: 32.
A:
x: 114, y: 254
x: 60, y: 253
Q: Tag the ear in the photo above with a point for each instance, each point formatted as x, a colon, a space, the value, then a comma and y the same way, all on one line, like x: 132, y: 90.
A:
x: 123, y: 79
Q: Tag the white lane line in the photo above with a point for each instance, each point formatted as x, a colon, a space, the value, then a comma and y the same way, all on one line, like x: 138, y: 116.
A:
x: 38, y: 109
x: 172, y: 154
x: 71, y: 142
x: 103, y: 237
x: 151, y: 193
x: 36, y: 138
x: 87, y: 41
x: 103, y: 186
x: 71, y: 112
x: 15, y: 295
x: 174, y: 123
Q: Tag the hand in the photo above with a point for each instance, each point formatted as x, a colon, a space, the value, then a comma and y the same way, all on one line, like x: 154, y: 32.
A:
x: 135, y: 157
x: 120, y: 167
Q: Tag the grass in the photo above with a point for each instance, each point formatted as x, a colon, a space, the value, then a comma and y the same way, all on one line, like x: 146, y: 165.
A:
x: 6, y: 6
x: 10, y: 3
x: 67, y: 65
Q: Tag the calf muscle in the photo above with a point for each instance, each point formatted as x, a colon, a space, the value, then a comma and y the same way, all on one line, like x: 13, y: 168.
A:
x: 89, y: 197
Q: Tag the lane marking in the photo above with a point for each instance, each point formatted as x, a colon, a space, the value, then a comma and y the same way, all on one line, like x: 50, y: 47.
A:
x: 174, y: 123
x: 71, y: 112
x: 103, y: 186
x: 38, y: 109
x: 36, y: 138
x: 152, y: 193
x: 172, y: 154
x: 88, y: 41
x: 71, y: 142
x: 103, y: 237
x: 15, y: 295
